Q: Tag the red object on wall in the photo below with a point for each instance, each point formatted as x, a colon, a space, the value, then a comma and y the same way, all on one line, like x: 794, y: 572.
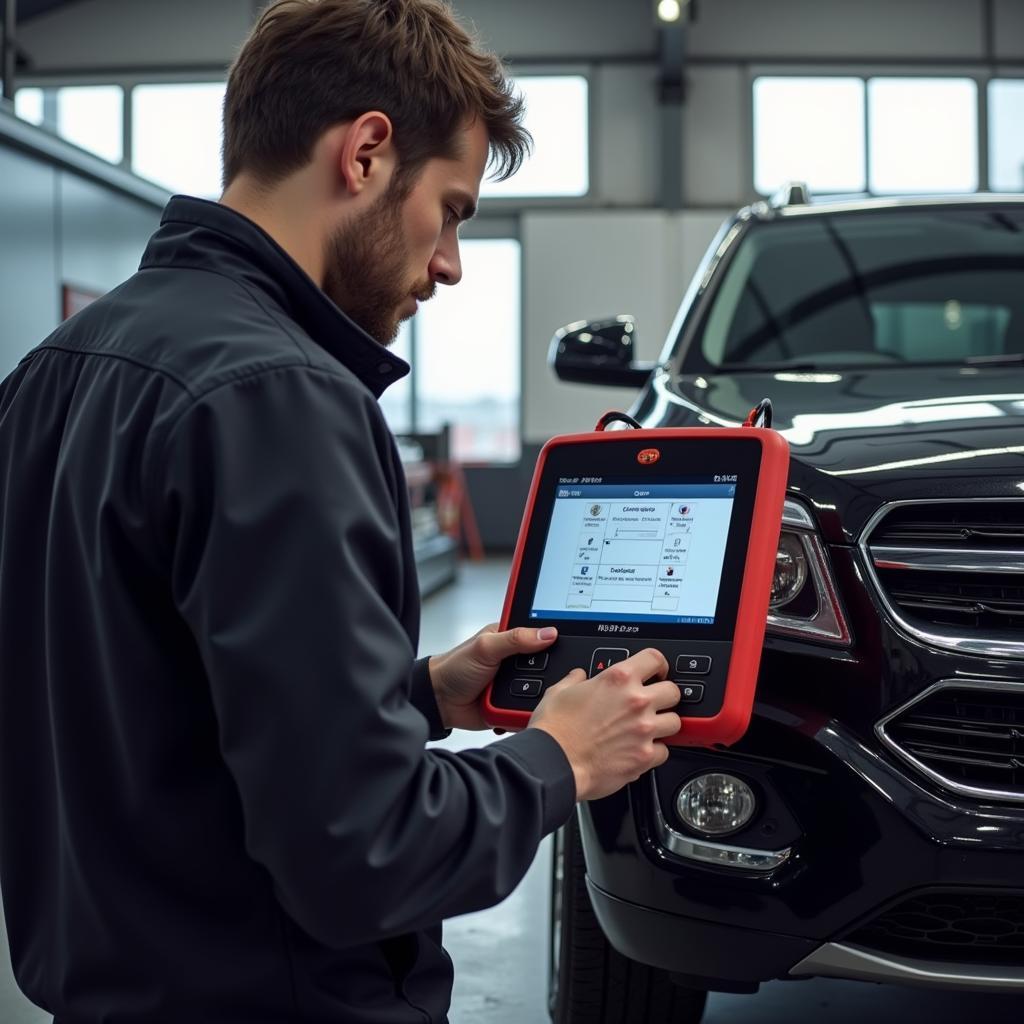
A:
x: 75, y: 299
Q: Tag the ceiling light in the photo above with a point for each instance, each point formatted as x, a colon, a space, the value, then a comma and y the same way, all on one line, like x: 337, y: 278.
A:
x: 669, y: 10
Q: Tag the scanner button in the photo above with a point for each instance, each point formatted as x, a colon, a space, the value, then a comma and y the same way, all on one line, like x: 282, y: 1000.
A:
x: 525, y: 687
x: 605, y: 657
x: 691, y: 693
x: 532, y: 662
x: 693, y: 665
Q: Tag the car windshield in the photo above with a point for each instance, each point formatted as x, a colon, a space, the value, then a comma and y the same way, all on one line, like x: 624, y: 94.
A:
x: 885, y: 287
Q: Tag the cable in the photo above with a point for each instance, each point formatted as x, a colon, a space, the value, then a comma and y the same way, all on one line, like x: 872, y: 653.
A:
x: 617, y: 417
x: 760, y: 415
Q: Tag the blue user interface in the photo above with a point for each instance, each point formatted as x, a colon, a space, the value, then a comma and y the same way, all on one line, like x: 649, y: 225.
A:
x: 629, y: 553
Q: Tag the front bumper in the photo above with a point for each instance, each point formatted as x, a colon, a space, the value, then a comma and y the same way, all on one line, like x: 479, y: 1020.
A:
x: 864, y: 834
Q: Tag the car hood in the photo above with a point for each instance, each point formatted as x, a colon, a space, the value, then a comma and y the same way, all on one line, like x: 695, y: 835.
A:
x: 859, y: 439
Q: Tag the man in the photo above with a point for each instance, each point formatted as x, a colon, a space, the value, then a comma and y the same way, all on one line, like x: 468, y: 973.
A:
x: 217, y: 802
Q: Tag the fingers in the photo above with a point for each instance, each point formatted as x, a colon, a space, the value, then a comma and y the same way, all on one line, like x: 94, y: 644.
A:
x: 660, y: 754
x: 577, y: 675
x: 667, y: 724
x: 663, y: 695
x: 647, y: 664
x: 521, y: 640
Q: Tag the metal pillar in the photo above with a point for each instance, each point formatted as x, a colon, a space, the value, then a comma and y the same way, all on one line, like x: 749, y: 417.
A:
x: 671, y: 96
x: 7, y: 47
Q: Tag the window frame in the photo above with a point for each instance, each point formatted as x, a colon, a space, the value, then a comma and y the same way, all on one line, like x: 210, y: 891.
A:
x: 496, y: 205
x: 975, y: 71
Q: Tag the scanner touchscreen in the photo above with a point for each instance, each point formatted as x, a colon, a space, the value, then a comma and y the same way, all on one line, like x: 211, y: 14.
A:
x: 635, y: 554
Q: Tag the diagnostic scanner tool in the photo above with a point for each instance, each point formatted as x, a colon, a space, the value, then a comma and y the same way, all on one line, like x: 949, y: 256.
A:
x: 659, y: 538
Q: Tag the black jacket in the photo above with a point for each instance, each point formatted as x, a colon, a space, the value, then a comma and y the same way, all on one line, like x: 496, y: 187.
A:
x: 215, y: 800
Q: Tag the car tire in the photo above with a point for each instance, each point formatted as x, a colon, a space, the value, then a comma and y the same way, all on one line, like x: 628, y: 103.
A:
x: 589, y: 981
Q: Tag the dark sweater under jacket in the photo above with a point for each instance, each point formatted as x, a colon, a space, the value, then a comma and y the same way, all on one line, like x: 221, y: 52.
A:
x: 216, y: 806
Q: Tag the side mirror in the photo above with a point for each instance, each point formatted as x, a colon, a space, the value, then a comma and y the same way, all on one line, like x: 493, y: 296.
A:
x: 598, y: 352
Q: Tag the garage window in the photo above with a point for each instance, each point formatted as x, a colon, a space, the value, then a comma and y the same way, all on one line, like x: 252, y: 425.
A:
x: 28, y: 105
x: 176, y: 136
x: 882, y: 135
x: 1006, y: 135
x: 923, y: 135
x: 465, y: 349
x: 88, y: 116
x: 557, y: 117
x: 810, y: 130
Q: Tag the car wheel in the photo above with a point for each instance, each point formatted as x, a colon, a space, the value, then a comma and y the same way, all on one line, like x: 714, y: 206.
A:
x: 589, y: 981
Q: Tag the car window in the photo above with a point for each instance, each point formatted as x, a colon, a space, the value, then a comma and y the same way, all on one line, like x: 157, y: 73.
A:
x: 871, y: 288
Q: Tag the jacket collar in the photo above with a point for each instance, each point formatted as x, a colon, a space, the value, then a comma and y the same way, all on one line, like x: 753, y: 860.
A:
x: 205, y: 234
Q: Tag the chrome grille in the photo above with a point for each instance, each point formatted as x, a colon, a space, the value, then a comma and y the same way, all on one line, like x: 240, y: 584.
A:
x: 952, y: 572
x: 968, y: 736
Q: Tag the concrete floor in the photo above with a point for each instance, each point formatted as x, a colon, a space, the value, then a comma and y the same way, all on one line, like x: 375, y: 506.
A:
x: 501, y: 954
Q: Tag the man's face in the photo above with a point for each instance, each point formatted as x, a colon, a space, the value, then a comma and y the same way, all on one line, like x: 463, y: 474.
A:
x: 384, y: 262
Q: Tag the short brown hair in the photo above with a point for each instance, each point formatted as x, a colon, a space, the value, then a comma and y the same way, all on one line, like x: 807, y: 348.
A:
x: 312, y: 64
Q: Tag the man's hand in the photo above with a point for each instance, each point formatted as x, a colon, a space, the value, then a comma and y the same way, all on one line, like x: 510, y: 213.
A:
x: 611, y: 726
x: 460, y: 676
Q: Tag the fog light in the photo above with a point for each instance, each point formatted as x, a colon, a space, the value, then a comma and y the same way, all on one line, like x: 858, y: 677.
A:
x: 716, y: 804
x: 790, y: 571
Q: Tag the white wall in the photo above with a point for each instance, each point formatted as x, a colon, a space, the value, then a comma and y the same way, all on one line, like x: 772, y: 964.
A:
x: 607, y: 263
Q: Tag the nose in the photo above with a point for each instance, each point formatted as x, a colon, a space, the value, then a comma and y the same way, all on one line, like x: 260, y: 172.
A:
x: 446, y: 264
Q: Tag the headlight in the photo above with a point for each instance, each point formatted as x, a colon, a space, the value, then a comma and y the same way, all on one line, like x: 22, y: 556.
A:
x: 716, y: 804
x: 790, y: 570
x: 804, y: 601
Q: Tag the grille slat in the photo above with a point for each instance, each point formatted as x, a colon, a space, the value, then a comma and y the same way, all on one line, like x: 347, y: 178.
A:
x: 955, y: 522
x: 973, y: 758
x: 954, y: 570
x: 958, y: 605
x: 968, y: 737
x: 967, y: 745
x: 971, y: 728
x: 955, y: 534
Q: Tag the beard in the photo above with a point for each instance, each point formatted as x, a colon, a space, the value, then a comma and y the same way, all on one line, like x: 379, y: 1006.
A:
x: 365, y: 268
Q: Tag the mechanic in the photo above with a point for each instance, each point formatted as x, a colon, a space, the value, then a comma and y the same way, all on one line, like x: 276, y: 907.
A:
x: 217, y: 801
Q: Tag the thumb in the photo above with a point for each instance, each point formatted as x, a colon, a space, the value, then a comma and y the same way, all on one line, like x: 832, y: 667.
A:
x: 521, y: 640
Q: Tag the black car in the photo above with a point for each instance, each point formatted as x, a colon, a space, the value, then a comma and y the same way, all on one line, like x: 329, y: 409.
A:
x: 885, y: 759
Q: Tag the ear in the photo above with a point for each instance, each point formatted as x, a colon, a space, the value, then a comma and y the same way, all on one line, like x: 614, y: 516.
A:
x: 367, y: 153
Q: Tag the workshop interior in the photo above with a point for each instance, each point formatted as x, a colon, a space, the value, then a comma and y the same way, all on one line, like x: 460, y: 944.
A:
x: 735, y: 370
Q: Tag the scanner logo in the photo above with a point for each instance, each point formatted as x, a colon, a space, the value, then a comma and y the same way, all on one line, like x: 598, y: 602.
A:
x: 648, y: 456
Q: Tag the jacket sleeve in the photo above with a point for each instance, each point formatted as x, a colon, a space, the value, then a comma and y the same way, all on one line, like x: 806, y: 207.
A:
x: 284, y: 553
x: 422, y: 696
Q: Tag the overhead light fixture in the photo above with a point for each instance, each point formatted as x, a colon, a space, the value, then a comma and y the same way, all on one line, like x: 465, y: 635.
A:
x: 669, y: 10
